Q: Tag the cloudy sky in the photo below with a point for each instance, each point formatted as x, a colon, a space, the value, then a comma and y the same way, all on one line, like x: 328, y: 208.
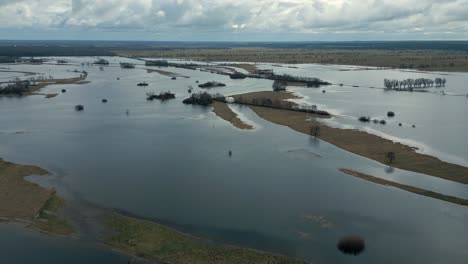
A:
x: 231, y: 20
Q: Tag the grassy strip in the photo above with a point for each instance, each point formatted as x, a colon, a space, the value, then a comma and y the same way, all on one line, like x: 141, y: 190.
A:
x: 408, y: 188
x: 156, y: 242
x: 48, y: 221
x: 355, y: 141
x: 20, y: 199
x: 222, y: 110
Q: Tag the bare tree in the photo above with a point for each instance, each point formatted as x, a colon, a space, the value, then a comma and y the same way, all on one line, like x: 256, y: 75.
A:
x: 390, y: 157
x: 315, y: 131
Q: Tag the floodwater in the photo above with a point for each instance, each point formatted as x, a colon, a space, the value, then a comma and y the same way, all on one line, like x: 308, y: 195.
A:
x: 281, y: 191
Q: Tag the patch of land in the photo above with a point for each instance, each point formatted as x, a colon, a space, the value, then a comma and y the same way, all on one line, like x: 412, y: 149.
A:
x: 355, y: 141
x: 251, y: 68
x: 49, y: 221
x: 423, y: 59
x: 18, y: 197
x: 52, y: 95
x: 44, y: 83
x: 278, y: 99
x: 34, y: 89
x: 156, y: 242
x: 222, y: 110
x: 408, y: 188
x: 166, y: 73
x: 27, y: 201
x: 22, y: 72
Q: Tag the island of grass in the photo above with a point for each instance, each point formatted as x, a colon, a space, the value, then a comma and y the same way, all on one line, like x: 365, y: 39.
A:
x: 152, y: 241
x: 21, y: 200
x: 408, y: 188
x: 355, y: 141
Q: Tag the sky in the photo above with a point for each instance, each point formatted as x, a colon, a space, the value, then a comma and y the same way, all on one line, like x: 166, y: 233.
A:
x: 234, y: 20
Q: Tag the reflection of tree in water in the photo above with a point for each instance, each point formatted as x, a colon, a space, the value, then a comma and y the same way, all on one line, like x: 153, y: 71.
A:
x: 389, y: 170
x: 352, y: 245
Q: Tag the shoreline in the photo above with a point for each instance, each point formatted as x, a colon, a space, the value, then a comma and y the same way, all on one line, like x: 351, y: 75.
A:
x: 358, y: 142
x: 136, y: 237
x: 223, y: 111
x: 25, y: 201
x: 408, y: 188
x: 34, y: 90
x: 152, y: 241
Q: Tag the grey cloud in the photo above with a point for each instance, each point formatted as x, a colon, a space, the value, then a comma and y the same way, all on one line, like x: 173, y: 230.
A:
x: 227, y: 16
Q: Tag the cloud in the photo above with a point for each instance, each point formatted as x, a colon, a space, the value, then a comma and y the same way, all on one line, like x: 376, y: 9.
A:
x: 240, y: 16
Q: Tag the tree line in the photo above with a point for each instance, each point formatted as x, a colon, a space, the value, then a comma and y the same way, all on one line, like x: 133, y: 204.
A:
x: 409, y: 84
x: 18, y: 87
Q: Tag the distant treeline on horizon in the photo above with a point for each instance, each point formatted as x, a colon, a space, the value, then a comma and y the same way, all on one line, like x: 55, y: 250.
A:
x: 104, y: 48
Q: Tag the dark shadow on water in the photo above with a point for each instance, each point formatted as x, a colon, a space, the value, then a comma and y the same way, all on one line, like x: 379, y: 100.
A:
x: 389, y: 170
x: 242, y: 238
x: 313, y: 141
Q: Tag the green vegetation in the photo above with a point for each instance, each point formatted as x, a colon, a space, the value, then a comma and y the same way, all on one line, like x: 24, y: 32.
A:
x: 48, y: 221
x: 156, y: 242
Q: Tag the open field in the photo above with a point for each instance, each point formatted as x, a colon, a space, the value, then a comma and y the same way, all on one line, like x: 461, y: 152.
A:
x: 358, y: 142
x: 156, y: 242
x: 430, y: 60
x: 408, y: 188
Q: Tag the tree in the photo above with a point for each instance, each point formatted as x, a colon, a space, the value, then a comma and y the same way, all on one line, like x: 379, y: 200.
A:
x: 390, y: 157
x: 315, y: 131
x: 279, y: 86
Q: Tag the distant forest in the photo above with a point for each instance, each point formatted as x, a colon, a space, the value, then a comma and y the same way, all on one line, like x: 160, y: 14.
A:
x: 105, y: 48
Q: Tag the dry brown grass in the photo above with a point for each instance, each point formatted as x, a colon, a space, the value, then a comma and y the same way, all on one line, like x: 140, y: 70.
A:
x: 24, y: 200
x: 246, y: 66
x: 222, y: 110
x: 419, y: 59
x: 359, y: 142
x: 19, y: 198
